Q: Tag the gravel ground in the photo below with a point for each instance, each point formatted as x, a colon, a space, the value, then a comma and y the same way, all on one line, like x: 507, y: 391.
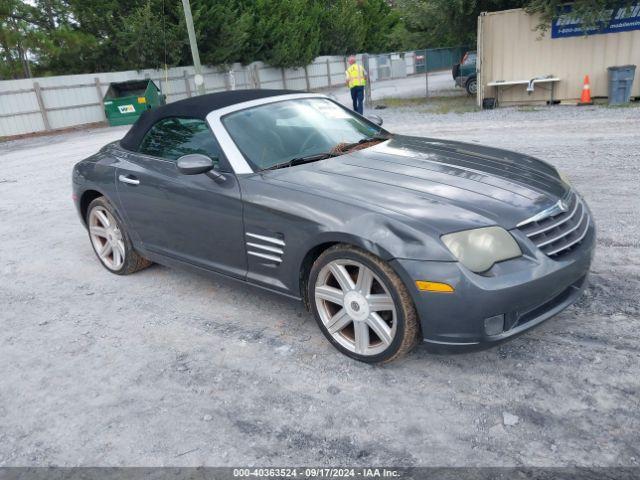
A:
x: 168, y: 368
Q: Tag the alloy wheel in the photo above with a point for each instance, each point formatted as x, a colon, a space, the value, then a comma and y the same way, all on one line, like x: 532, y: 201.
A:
x: 106, y: 238
x: 355, y: 307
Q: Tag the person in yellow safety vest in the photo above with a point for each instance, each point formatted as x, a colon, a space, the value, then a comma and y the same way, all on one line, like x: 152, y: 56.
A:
x: 356, y: 80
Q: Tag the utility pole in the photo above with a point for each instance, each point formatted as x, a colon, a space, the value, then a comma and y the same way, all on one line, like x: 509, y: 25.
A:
x: 367, y: 88
x: 198, y: 79
x: 426, y: 72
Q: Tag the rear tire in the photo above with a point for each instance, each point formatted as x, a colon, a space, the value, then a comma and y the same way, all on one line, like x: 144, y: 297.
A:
x: 110, y: 241
x: 361, y: 305
x: 472, y: 86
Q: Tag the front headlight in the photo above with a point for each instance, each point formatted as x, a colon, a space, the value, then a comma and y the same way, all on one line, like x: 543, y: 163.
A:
x: 480, y: 248
x: 563, y: 177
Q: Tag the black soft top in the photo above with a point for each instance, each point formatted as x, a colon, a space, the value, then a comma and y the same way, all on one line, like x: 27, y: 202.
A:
x: 194, y: 107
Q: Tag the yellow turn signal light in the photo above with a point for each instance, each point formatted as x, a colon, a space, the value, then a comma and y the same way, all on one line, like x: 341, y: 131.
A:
x: 425, y: 286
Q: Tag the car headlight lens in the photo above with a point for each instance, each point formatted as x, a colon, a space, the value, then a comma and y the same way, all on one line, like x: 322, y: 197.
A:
x: 563, y: 177
x: 480, y: 248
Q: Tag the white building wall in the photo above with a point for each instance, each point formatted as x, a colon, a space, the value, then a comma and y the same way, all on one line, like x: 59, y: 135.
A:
x: 511, y: 48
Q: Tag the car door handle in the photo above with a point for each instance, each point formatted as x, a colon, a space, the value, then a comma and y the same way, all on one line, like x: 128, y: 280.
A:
x: 129, y: 179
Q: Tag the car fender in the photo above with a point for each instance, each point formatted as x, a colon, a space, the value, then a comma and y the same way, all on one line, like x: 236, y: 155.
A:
x: 377, y: 234
x: 388, y: 237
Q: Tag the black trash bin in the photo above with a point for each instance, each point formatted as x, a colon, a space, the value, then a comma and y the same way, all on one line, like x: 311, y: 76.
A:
x: 620, y: 83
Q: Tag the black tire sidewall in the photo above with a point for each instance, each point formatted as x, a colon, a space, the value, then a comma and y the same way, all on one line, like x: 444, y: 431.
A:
x: 468, y: 86
x: 348, y: 253
x: 128, y: 248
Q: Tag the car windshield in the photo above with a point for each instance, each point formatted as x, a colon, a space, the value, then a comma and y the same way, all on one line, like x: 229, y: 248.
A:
x: 470, y: 58
x: 271, y: 134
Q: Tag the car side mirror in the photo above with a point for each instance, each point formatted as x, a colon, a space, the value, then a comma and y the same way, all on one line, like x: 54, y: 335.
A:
x: 194, y: 164
x: 375, y: 119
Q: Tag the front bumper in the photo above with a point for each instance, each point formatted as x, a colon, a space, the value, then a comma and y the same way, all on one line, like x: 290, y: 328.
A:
x: 526, y: 291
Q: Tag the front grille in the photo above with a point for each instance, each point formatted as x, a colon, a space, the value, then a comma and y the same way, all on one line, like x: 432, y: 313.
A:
x: 560, y: 229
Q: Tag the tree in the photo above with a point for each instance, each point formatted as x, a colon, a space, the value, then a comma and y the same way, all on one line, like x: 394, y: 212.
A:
x: 50, y: 37
x: 344, y: 28
x: 439, y: 23
x: 443, y: 23
x: 224, y: 30
x: 286, y: 33
x: 153, y: 35
x: 590, y: 11
x: 104, y: 20
x: 21, y: 33
x: 44, y: 37
x: 380, y: 22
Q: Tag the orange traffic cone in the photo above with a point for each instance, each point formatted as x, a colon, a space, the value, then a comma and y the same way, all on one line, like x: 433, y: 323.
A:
x: 585, y: 99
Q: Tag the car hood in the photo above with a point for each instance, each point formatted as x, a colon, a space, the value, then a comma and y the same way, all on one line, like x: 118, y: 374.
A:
x: 449, y: 185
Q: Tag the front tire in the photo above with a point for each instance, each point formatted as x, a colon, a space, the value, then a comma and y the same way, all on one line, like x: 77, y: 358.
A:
x: 361, y: 305
x: 110, y: 240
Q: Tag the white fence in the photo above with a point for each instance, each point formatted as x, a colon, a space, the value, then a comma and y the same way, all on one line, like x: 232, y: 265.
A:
x: 50, y: 103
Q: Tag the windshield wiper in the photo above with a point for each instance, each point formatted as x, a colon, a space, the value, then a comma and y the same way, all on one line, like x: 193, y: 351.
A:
x: 322, y: 156
x: 301, y: 160
x: 372, y: 138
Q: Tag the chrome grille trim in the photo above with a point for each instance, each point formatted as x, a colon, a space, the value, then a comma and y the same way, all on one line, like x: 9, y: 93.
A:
x: 565, y: 233
x: 549, y: 227
x: 574, y: 242
x: 569, y: 224
x: 552, y: 211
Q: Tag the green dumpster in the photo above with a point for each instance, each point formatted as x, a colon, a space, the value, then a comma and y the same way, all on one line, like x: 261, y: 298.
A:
x: 124, y: 102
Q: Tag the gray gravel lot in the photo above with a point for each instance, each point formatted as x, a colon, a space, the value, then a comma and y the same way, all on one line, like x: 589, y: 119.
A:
x: 168, y: 368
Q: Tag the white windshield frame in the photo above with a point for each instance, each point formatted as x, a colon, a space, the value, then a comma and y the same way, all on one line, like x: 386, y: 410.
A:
x: 236, y: 159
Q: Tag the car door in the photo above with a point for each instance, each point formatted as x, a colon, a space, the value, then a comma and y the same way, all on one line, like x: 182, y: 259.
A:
x: 193, y: 218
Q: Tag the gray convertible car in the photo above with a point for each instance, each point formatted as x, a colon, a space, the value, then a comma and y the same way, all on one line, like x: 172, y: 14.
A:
x: 389, y: 240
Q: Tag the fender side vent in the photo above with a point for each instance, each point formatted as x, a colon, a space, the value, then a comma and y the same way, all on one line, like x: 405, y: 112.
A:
x: 267, y: 248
